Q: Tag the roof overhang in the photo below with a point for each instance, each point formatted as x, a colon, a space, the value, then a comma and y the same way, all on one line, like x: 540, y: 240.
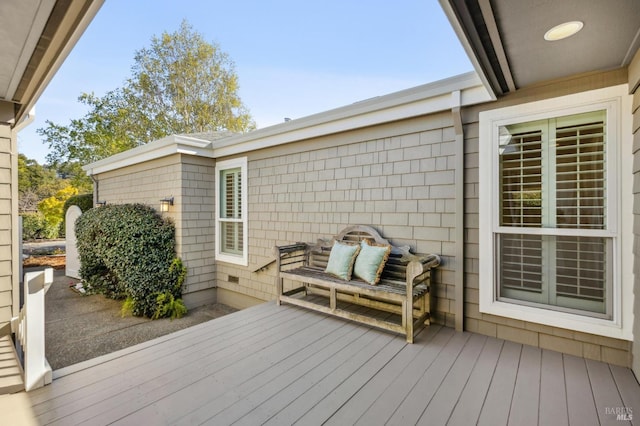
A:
x: 504, y: 39
x: 171, y: 145
x: 418, y: 101
x: 38, y: 36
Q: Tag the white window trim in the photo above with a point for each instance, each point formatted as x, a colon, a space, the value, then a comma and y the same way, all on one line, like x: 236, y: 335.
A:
x: 226, y: 257
x: 617, y: 102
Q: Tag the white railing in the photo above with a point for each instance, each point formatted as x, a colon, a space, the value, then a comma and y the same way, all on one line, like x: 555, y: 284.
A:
x: 29, y: 329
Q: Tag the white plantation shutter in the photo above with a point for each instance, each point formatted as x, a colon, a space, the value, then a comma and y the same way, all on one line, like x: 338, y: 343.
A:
x: 552, y: 176
x: 580, y: 176
x: 231, y: 211
x: 521, y: 264
x: 581, y: 271
x: 521, y: 180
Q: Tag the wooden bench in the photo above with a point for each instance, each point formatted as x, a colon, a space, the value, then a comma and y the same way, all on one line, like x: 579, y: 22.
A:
x: 403, y: 289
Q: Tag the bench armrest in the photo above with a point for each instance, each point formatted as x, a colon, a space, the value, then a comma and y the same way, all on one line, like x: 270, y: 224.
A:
x: 280, y: 250
x: 420, y: 266
x: 290, y: 254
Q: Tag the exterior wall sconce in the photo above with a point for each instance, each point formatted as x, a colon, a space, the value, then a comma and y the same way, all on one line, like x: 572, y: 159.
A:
x: 100, y: 203
x: 165, y: 203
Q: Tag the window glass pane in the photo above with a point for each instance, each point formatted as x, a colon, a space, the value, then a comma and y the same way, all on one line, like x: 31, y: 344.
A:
x: 581, y: 268
x: 580, y: 175
x: 231, y: 194
x: 232, y: 237
x: 557, y: 271
x: 521, y: 262
x: 521, y: 178
x: 552, y: 175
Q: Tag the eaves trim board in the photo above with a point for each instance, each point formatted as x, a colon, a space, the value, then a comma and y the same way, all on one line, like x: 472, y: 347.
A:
x: 417, y: 101
x: 74, y: 23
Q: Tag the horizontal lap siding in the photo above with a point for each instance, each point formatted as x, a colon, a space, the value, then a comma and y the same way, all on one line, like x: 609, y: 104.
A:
x: 398, y: 178
x: 575, y: 343
x: 189, y: 180
x: 634, y: 83
x: 6, y: 222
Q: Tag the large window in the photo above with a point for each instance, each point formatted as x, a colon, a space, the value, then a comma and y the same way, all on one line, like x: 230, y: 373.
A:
x: 552, y: 218
x: 552, y: 178
x: 231, y: 214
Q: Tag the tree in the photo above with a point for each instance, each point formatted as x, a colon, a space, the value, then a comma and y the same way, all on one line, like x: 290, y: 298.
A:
x: 180, y: 84
x: 35, y: 182
x: 53, y: 209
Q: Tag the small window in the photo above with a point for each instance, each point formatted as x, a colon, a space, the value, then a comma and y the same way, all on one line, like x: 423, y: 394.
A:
x: 231, y: 214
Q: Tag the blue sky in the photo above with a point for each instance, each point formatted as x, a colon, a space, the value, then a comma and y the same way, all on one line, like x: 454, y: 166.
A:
x: 293, y: 58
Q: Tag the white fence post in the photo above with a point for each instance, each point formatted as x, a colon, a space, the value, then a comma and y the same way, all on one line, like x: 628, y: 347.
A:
x: 30, y: 329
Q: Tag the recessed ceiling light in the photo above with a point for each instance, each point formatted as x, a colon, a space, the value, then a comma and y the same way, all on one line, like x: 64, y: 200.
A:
x: 562, y: 31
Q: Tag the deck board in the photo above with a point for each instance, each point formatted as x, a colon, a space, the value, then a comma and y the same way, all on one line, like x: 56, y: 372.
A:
x: 628, y: 389
x: 287, y: 365
x: 313, y: 386
x: 156, y: 372
x: 413, y: 405
x: 158, y: 381
x: 525, y: 402
x: 469, y: 404
x: 497, y: 406
x: 606, y: 394
x: 266, y: 378
x: 580, y: 402
x: 320, y: 412
x: 443, y: 402
x: 391, y: 375
x: 175, y: 406
x: 404, y: 377
x: 553, y: 395
x: 258, y: 404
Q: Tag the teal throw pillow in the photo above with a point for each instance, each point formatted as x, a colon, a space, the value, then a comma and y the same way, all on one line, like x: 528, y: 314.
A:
x: 341, y: 260
x: 371, y: 261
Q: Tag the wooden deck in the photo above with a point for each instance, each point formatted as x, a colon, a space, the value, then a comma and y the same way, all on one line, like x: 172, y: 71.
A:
x: 283, y: 365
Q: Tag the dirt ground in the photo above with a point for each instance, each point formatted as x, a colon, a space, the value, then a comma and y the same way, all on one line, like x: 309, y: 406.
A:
x: 56, y: 262
x: 81, y: 327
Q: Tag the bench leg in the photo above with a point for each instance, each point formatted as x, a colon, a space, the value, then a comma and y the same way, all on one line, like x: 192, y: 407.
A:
x: 332, y: 298
x: 408, y: 319
x: 279, y: 289
x: 427, y: 307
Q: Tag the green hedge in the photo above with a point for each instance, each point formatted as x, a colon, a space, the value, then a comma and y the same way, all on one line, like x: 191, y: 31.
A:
x: 34, y: 226
x: 84, y: 201
x: 126, y: 251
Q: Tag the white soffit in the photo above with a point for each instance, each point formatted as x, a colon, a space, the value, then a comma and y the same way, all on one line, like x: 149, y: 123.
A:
x: 22, y: 24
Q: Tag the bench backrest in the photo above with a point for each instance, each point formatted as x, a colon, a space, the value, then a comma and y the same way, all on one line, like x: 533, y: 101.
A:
x: 395, y: 268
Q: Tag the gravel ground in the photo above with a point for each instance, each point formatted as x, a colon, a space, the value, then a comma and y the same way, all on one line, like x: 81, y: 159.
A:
x: 81, y: 327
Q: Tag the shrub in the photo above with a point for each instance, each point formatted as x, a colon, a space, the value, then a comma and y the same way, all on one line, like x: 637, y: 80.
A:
x: 129, y: 251
x: 35, y: 226
x: 84, y: 201
x: 52, y: 208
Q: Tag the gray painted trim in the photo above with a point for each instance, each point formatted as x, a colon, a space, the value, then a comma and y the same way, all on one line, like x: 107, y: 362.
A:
x: 492, y: 29
x: 459, y: 224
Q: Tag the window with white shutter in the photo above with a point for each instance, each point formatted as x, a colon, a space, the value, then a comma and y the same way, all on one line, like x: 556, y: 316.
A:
x: 552, y: 177
x: 231, y: 215
x: 555, y: 212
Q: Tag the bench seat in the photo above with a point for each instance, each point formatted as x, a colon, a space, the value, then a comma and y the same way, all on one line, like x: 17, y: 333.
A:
x: 403, y: 289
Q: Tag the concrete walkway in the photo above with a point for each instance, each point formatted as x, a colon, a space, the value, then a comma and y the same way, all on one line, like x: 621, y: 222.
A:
x: 81, y: 327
